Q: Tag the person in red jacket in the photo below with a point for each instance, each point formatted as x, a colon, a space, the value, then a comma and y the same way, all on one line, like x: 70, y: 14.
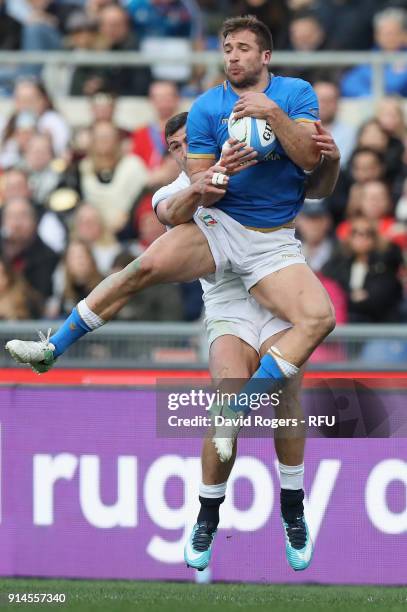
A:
x: 148, y: 141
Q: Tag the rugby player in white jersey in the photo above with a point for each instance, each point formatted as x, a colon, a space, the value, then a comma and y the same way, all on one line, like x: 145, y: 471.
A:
x: 239, y: 332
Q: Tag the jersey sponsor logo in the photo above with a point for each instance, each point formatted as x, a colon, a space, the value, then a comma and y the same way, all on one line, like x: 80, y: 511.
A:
x: 272, y: 156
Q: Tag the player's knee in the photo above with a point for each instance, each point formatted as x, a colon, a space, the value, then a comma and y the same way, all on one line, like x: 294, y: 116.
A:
x: 320, y: 323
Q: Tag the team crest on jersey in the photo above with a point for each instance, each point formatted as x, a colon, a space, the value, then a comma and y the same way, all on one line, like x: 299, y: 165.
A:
x: 208, y: 219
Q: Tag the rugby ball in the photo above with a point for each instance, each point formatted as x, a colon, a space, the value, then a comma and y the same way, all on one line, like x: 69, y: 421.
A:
x: 256, y: 133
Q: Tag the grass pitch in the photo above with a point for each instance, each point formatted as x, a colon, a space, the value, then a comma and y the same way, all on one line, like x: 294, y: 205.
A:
x: 121, y: 596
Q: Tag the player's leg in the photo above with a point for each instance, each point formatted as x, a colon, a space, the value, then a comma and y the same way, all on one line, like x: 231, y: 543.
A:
x: 183, y: 254
x: 289, y: 444
x: 229, y: 358
x: 295, y: 294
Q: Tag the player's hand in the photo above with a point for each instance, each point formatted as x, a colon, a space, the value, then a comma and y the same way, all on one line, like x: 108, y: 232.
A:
x: 325, y: 143
x: 236, y: 156
x: 213, y: 183
x: 253, y: 104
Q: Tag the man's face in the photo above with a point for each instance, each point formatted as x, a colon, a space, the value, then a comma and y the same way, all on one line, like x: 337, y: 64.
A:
x: 165, y: 99
x: 15, y: 185
x: 327, y: 95
x: 390, y: 36
x: 366, y: 167
x: 243, y: 59
x: 315, y: 229
x: 306, y: 34
x: 114, y: 25
x: 19, y: 223
x: 177, y: 146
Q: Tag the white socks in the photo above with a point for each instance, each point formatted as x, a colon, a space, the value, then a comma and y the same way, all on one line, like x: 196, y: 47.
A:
x: 212, y: 491
x: 92, y: 320
x: 291, y: 476
x: 287, y: 368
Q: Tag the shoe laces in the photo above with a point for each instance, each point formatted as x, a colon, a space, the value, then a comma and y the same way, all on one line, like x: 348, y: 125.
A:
x: 203, y: 537
x: 44, y: 339
x: 296, y: 532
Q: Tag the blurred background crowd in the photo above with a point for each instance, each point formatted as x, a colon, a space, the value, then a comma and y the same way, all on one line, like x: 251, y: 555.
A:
x: 75, y: 201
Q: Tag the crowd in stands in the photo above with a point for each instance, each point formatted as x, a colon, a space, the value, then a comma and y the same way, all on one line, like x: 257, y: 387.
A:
x: 75, y: 202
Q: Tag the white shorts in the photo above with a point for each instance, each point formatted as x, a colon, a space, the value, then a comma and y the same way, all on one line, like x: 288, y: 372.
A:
x: 230, y: 310
x: 249, y: 253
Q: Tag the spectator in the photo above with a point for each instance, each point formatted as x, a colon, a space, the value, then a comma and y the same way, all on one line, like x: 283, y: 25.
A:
x: 89, y: 228
x: 343, y: 133
x: 74, y: 279
x: 43, y: 178
x: 390, y: 115
x: 22, y: 247
x: 40, y: 28
x: 82, y: 36
x: 116, y: 35
x: 366, y: 266
x: 305, y: 34
x: 166, y: 18
x: 103, y: 106
x: 373, y: 136
x: 14, y: 184
x: 10, y: 30
x: 106, y: 178
x: 10, y: 40
x: 390, y: 31
x: 348, y: 24
x: 16, y: 136
x: 94, y: 7
x: 365, y: 165
x: 170, y: 28
x: 50, y: 229
x: 314, y: 225
x: 31, y: 96
x: 148, y: 141
x: 375, y: 204
x: 17, y: 299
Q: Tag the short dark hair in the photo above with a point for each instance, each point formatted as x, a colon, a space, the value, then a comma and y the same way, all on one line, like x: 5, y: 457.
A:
x: 251, y: 23
x: 174, y: 124
x: 361, y: 150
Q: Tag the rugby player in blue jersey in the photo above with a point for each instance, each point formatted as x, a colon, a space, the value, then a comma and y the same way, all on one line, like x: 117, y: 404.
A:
x: 249, y: 227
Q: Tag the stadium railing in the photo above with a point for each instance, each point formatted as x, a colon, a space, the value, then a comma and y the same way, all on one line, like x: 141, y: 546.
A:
x: 59, y: 59
x: 183, y: 345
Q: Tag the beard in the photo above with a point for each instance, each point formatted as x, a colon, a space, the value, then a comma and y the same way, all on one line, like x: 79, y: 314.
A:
x: 247, y: 80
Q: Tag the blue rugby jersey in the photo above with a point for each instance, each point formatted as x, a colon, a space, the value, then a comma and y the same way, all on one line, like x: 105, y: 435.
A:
x: 270, y: 193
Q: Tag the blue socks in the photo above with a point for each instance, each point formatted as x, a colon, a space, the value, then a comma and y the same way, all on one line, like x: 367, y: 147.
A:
x: 73, y: 328
x: 273, y: 367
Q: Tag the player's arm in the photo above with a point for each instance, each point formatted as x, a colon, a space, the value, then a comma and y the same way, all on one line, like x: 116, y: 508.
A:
x: 180, y: 207
x: 295, y: 135
x: 322, y: 181
x: 235, y: 158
